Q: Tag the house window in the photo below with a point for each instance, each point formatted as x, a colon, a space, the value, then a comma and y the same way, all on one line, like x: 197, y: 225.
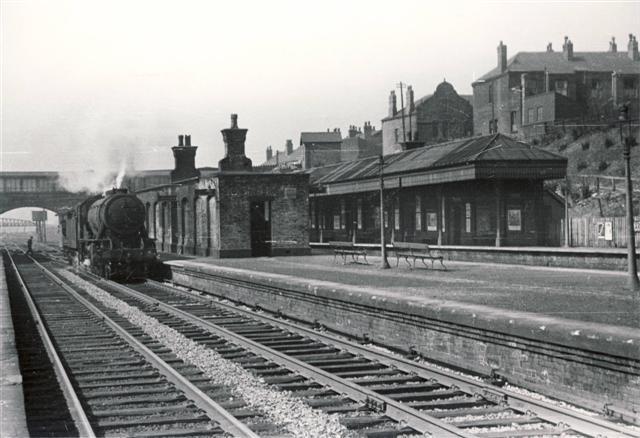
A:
x: 418, y: 213
x: 530, y: 115
x: 561, y: 87
x: 514, y: 121
x: 434, y: 130
x: 432, y: 221
x: 490, y: 93
x: 596, y: 88
x: 540, y: 114
x: 629, y: 88
x: 514, y: 219
x: 445, y: 129
x: 467, y: 217
x: 396, y: 134
x: 359, y: 214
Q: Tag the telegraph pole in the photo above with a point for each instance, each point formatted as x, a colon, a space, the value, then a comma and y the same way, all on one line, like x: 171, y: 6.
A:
x: 632, y: 268
x: 404, y: 132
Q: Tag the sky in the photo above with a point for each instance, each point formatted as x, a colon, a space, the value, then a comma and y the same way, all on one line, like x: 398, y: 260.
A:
x: 90, y: 85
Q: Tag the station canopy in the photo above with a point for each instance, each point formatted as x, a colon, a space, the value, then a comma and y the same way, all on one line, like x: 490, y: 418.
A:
x: 494, y: 156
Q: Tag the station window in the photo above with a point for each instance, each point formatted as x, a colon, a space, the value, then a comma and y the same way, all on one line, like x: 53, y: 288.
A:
x: 418, y: 213
x: 514, y: 219
x: 359, y: 213
x: 343, y: 215
x: 312, y: 216
x: 396, y: 216
x: 514, y: 121
x: 386, y: 219
x: 540, y: 113
x: 531, y: 115
x: 432, y: 221
x: 396, y: 133
x: 467, y: 217
x: 336, y: 221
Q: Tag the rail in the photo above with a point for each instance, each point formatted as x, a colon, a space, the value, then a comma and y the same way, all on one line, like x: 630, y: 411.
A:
x: 575, y: 420
x: 216, y: 412
x: 75, y: 406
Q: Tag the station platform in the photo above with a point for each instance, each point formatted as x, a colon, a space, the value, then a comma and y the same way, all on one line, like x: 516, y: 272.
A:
x: 571, y: 332
x: 12, y: 414
x: 609, y: 258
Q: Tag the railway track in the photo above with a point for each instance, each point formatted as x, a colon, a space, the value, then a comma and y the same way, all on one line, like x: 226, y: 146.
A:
x: 402, y: 389
x: 374, y: 393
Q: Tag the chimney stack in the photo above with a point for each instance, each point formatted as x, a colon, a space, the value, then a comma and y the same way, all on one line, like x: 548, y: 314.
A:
x: 185, y: 160
x: 613, y: 47
x: 368, y: 129
x: 289, y: 147
x: 393, y: 107
x: 410, y: 101
x: 567, y: 49
x: 549, y: 48
x: 353, y: 131
x: 269, y: 153
x: 234, y: 138
x: 502, y: 57
x: 632, y: 48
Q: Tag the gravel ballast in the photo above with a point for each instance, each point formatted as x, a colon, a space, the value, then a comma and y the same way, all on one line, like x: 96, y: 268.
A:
x: 279, y: 406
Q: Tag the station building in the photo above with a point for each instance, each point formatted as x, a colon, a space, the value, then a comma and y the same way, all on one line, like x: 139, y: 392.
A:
x: 229, y: 211
x: 485, y: 190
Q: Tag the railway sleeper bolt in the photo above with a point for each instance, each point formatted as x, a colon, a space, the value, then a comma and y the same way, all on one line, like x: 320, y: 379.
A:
x: 366, y: 339
x: 414, y: 354
x: 495, y: 397
x: 495, y: 378
x: 279, y: 314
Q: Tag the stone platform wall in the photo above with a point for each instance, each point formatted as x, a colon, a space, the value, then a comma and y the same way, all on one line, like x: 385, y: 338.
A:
x: 582, y: 363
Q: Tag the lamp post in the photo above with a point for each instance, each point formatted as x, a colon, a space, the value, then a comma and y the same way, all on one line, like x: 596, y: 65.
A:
x: 383, y: 245
x: 632, y: 283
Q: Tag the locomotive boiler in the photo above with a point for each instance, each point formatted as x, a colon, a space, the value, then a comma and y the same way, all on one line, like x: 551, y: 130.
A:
x: 107, y: 233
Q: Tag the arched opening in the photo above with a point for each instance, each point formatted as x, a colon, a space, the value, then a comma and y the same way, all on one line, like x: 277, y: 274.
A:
x: 17, y: 225
x: 148, y: 220
x: 213, y: 225
x: 183, y: 225
x: 201, y: 235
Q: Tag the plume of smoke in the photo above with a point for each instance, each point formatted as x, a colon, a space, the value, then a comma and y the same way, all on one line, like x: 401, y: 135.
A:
x: 110, y: 172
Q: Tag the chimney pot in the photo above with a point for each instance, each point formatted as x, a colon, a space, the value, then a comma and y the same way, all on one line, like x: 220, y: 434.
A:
x: 613, y: 47
x: 502, y: 57
x: 181, y: 140
x: 393, y: 106
x: 549, y: 48
x: 632, y: 48
x: 187, y: 140
x: 567, y: 49
x: 289, y: 146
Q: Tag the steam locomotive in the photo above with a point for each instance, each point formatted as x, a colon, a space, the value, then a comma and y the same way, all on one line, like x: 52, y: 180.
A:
x: 107, y: 234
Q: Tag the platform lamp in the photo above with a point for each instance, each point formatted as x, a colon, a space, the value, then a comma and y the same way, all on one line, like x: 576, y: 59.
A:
x: 623, y: 116
x: 383, y: 245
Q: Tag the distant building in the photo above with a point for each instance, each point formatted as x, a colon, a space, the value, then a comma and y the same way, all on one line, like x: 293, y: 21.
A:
x: 323, y: 148
x: 434, y: 118
x: 361, y: 143
x: 558, y: 86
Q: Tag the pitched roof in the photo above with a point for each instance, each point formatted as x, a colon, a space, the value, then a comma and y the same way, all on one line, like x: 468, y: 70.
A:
x: 320, y: 137
x: 555, y: 63
x: 488, y: 148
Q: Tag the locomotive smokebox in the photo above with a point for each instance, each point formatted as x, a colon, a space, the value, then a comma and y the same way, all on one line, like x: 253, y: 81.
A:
x: 117, y: 212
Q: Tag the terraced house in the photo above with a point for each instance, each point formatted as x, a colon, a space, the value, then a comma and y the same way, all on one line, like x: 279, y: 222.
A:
x: 533, y: 91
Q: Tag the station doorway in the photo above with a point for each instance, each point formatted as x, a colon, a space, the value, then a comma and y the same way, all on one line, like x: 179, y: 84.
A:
x: 260, y: 228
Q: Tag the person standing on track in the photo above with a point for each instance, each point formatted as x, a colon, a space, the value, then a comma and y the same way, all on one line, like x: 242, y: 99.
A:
x: 30, y: 245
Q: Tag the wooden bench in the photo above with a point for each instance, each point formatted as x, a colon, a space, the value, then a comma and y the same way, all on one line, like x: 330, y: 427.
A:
x: 416, y: 251
x: 345, y: 249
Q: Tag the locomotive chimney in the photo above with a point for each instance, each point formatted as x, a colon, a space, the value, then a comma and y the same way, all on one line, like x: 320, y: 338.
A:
x: 185, y: 160
x: 234, y: 138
